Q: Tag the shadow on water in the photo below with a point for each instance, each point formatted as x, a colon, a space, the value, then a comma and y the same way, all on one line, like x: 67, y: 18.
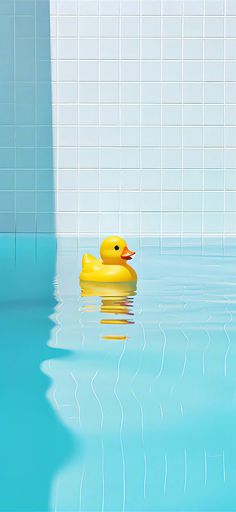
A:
x: 33, y: 443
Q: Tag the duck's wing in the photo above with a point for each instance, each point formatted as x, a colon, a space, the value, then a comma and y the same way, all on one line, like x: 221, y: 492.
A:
x: 89, y: 260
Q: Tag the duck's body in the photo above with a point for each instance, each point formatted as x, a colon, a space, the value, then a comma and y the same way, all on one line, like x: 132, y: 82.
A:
x: 113, y: 267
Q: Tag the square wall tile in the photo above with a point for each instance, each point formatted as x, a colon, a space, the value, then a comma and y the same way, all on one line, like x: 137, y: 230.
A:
x: 143, y: 118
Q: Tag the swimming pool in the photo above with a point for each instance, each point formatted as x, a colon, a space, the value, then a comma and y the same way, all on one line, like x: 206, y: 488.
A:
x: 118, y: 400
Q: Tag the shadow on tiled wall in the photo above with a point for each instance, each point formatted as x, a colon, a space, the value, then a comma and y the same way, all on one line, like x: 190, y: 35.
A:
x: 26, y: 163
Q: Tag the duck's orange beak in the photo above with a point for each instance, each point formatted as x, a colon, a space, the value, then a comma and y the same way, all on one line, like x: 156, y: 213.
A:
x: 127, y: 254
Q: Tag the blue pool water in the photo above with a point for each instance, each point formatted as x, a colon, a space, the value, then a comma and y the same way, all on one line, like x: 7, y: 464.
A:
x: 118, y: 399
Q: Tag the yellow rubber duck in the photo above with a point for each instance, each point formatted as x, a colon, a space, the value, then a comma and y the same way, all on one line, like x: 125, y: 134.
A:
x: 113, y: 266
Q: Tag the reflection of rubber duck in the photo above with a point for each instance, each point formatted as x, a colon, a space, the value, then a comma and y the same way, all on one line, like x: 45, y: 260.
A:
x: 116, y: 301
x: 108, y: 289
x: 113, y: 267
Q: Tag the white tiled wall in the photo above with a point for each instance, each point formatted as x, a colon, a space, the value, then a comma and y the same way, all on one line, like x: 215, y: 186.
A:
x: 144, y: 114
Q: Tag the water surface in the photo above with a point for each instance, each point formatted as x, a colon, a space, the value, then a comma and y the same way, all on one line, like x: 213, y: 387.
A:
x: 149, y: 391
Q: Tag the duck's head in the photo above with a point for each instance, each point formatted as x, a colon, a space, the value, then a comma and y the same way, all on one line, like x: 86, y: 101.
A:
x: 114, y: 251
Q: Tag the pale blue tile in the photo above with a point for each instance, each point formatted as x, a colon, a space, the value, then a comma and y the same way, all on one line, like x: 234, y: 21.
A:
x: 109, y: 201
x: 192, y: 179
x: 213, y: 201
x: 150, y: 136
x: 230, y: 179
x: 171, y: 136
x: 193, y: 7
x: 88, y: 71
x: 192, y: 223
x: 130, y: 201
x: 130, y: 114
x: 150, y: 223
x: 171, y: 115
x: 213, y: 223
x: 129, y: 223
x: 88, y: 202
x: 171, y: 49
x: 109, y: 223
x: 214, y: 114
x: 109, y: 180
x: 171, y: 201
x: 230, y: 136
x: 192, y: 201
x: 214, y: 7
x: 171, y: 71
x: 89, y: 26
x: 150, y: 48
x: 192, y: 136
x: 88, y: 179
x: 109, y: 71
x: 213, y: 71
x: 151, y: 26
x: 230, y: 26
x: 230, y: 71
x: 109, y: 8
x: 230, y: 48
x: 150, y: 158
x: 130, y: 26
x: 230, y: 93
x: 171, y: 223
x: 172, y: 93
x: 192, y: 158
x: 129, y: 93
x: 214, y: 92
x: 132, y: 180
x: 214, y: 26
x: 171, y: 26
x: 192, y: 93
x: 130, y: 158
x: 150, y: 179
x: 230, y: 223
x: 193, y: 25
x: 193, y: 48
x: 109, y: 158
x: 130, y: 49
x: 192, y: 71
x: 172, y: 179
x: 109, y: 26
x: 171, y: 158
x: 230, y: 201
x: 213, y: 158
x: 231, y: 7
x: 192, y: 114
x: 214, y: 179
x: 150, y: 71
x: 214, y: 49
x: 213, y: 136
x: 150, y: 93
x: 172, y: 7
x: 150, y: 201
x: 150, y: 7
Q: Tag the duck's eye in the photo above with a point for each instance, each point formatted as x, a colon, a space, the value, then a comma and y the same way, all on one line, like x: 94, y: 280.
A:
x: 116, y: 247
